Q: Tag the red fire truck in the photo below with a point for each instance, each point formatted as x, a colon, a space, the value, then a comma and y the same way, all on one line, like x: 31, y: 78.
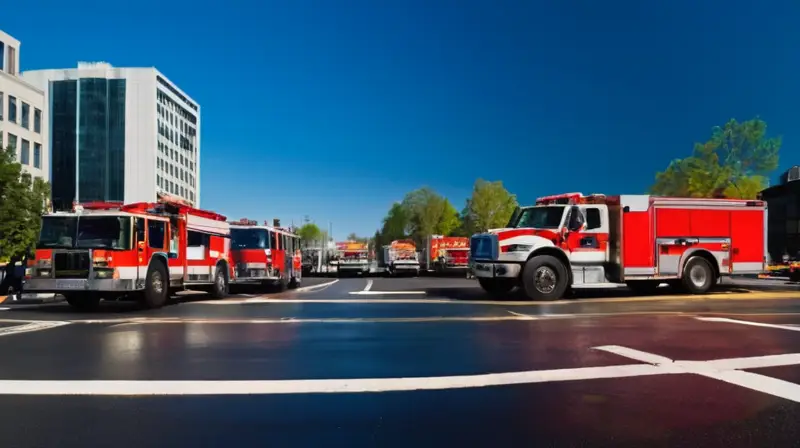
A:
x: 446, y: 254
x: 572, y: 241
x: 137, y: 251
x: 265, y: 255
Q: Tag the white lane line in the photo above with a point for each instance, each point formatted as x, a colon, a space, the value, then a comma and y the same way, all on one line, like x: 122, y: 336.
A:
x: 4, y: 308
x: 90, y: 387
x: 746, y: 322
x: 721, y: 369
x: 315, y: 287
x: 380, y: 293
x: 522, y: 316
x: 369, y: 285
x: 634, y: 354
x: 30, y: 327
x: 658, y: 365
x: 292, y: 320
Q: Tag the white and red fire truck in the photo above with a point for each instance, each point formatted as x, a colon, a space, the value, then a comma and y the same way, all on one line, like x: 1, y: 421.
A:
x: 399, y: 257
x: 443, y: 254
x: 137, y: 251
x: 265, y: 255
x: 572, y: 241
x: 351, y: 257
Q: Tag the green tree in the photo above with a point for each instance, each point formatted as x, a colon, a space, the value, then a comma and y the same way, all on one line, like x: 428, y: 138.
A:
x: 735, y: 162
x: 310, y: 234
x: 359, y: 239
x: 23, y: 200
x: 489, y: 207
x: 429, y: 213
x: 396, y: 224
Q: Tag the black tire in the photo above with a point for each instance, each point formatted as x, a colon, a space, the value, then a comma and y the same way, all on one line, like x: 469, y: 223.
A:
x: 553, y: 279
x: 219, y: 290
x: 156, y: 286
x: 497, y: 288
x: 83, y: 302
x: 794, y: 276
x: 643, y: 287
x: 698, y: 276
x: 282, y: 284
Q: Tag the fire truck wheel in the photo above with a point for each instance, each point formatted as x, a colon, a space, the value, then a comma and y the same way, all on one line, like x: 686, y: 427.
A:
x: 220, y: 288
x: 698, y: 277
x: 794, y: 276
x: 544, y: 277
x: 83, y: 302
x: 156, y: 286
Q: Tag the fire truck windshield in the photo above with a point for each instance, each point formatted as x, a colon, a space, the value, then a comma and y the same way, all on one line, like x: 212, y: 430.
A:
x: 544, y: 217
x: 88, y: 232
x: 249, y: 239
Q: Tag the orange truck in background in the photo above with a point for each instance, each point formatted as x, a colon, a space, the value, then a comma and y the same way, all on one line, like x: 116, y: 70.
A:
x: 443, y: 254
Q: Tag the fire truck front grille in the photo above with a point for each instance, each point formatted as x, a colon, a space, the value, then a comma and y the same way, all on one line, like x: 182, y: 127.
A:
x: 74, y: 264
x: 484, y: 247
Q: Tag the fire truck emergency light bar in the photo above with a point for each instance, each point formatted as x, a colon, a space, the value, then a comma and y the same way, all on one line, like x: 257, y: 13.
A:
x: 571, y: 199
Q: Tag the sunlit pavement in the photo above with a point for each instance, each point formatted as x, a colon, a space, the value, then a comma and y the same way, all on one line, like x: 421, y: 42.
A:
x: 407, y: 362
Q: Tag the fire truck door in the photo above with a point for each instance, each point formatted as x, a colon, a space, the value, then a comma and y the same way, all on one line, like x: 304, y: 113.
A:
x: 589, y: 246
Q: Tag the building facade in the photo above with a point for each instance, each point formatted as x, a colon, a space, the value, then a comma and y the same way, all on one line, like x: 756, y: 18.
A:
x: 119, y: 134
x: 23, y: 114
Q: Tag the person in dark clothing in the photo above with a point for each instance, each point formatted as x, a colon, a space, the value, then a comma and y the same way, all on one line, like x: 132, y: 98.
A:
x: 13, y: 278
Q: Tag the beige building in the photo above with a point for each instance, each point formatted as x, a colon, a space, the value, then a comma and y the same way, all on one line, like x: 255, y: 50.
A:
x: 23, y: 113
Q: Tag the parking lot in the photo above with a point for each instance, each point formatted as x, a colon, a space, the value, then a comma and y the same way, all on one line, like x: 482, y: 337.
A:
x: 423, y: 361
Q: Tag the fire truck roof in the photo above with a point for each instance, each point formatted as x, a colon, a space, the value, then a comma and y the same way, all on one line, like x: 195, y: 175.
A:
x: 579, y: 198
x: 252, y: 224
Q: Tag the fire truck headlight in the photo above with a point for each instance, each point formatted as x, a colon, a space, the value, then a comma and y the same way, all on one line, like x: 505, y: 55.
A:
x: 519, y: 248
x: 104, y: 273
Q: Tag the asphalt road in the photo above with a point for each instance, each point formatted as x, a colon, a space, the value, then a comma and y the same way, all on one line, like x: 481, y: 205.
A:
x: 407, y: 362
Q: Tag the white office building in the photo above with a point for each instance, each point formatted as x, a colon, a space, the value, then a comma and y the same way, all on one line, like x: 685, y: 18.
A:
x: 119, y: 134
x: 22, y: 113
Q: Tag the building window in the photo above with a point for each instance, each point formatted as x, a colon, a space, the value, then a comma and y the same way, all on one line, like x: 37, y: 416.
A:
x: 12, y: 109
x: 26, y: 115
x: 101, y: 151
x: 25, y: 153
x: 37, y: 155
x: 12, y: 141
x: 63, y: 142
x: 37, y: 121
x: 11, y: 66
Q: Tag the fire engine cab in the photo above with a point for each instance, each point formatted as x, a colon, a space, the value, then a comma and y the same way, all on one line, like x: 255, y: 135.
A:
x: 265, y: 255
x: 572, y: 241
x: 137, y: 251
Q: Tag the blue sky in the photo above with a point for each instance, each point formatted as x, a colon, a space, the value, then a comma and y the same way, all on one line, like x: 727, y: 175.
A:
x: 335, y: 109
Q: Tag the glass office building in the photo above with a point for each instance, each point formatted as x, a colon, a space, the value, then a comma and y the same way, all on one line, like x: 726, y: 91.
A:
x: 120, y: 135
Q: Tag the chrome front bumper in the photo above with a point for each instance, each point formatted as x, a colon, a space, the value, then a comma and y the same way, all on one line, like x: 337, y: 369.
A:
x: 60, y: 286
x: 354, y: 267
x: 495, y: 270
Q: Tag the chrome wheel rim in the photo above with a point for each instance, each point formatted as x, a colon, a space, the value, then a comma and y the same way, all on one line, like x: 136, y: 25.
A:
x: 545, y: 279
x: 157, y: 282
x: 698, y: 275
